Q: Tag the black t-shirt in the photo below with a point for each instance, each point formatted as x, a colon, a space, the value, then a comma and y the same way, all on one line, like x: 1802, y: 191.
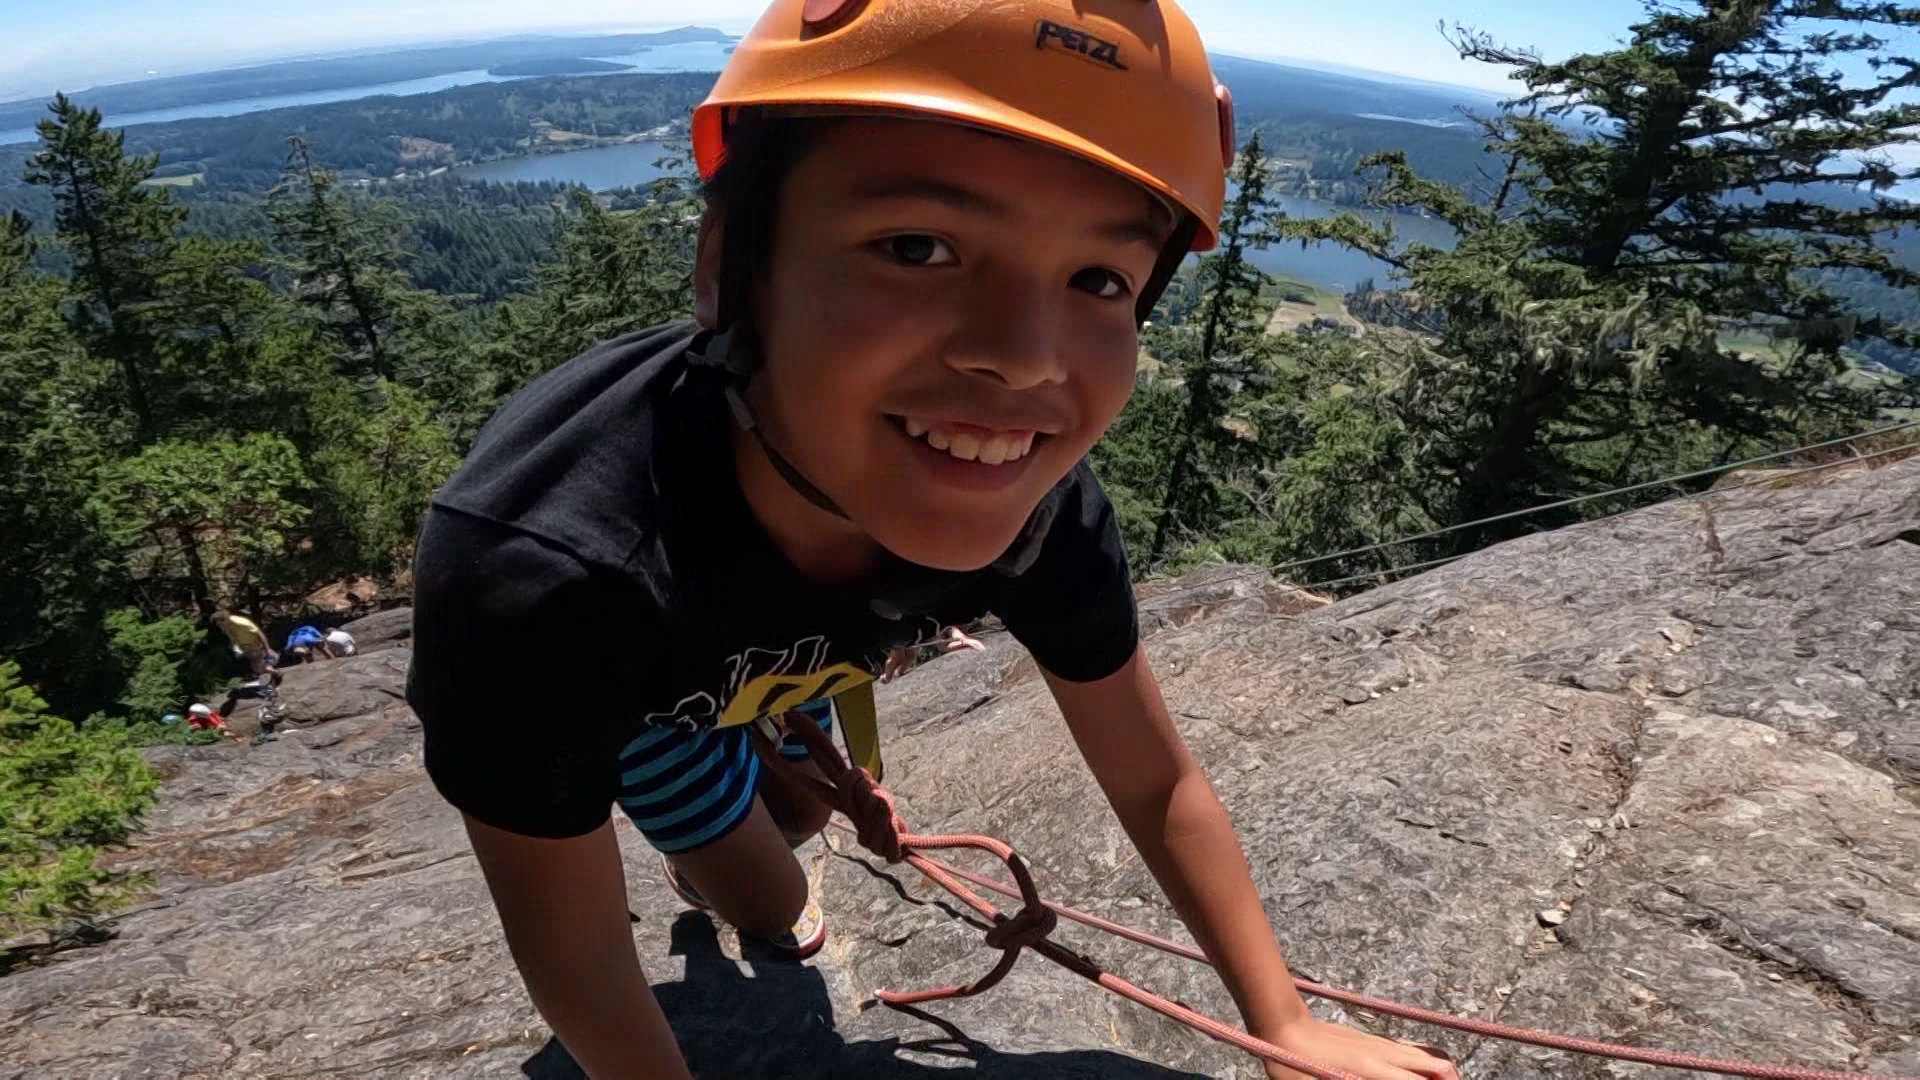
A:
x: 593, y: 567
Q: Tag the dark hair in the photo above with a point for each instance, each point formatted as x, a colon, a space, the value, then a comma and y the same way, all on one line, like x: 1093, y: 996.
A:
x: 762, y: 149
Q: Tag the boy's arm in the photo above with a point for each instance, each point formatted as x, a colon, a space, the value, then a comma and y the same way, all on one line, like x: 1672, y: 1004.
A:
x: 563, y: 905
x: 1184, y: 835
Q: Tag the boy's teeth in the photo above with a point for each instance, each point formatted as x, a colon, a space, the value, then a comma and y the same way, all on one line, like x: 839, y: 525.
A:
x: 996, y: 449
x: 964, y: 446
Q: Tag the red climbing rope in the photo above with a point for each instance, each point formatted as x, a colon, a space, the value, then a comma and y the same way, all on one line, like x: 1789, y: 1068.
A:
x: 880, y: 829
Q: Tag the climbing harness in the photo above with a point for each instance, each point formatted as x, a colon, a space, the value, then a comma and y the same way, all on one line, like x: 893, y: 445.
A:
x: 879, y: 828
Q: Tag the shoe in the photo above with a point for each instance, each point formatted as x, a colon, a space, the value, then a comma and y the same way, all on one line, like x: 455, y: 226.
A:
x: 802, y: 940
x: 808, y: 934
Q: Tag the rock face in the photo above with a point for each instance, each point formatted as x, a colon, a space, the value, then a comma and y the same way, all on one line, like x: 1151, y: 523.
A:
x: 343, y: 597
x: 1652, y: 778
x: 381, y: 629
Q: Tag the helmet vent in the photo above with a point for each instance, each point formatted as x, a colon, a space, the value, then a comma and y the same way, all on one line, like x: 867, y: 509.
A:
x: 826, y: 16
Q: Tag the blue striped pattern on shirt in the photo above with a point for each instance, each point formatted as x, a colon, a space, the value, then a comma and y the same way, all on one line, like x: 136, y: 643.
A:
x: 687, y: 789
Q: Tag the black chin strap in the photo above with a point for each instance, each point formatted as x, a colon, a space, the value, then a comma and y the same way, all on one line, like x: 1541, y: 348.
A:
x: 1171, y: 256
x: 723, y: 351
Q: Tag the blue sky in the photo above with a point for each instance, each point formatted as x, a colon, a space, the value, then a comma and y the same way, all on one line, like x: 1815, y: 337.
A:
x: 72, y: 43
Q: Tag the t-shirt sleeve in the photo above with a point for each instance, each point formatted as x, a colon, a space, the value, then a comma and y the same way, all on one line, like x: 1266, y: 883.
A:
x: 508, y: 678
x: 1073, y: 608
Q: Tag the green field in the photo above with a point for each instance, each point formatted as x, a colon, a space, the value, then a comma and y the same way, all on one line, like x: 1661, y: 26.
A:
x: 1298, y: 303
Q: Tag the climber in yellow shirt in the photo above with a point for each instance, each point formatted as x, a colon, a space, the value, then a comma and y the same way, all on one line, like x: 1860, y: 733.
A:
x: 249, y: 642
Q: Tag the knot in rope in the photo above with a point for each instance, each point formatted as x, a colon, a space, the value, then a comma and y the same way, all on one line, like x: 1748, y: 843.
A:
x: 1031, y: 926
x: 847, y: 788
x: 870, y: 807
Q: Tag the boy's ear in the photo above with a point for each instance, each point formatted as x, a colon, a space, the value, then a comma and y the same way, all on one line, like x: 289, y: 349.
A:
x: 706, y: 268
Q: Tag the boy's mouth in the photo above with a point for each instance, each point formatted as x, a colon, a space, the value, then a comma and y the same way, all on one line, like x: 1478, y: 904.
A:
x: 969, y: 442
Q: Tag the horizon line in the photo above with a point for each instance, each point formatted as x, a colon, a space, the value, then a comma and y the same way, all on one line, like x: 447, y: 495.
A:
x: 1279, y: 59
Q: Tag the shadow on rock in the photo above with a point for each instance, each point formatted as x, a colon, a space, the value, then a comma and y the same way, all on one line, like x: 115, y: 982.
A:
x: 778, y: 1021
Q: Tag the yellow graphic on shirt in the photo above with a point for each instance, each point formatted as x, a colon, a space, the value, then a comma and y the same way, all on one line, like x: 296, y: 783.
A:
x: 851, y: 689
x: 771, y: 695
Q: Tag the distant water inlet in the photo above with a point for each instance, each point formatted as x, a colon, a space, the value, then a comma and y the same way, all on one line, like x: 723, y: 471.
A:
x: 1329, y: 266
x: 1335, y: 266
x: 687, y: 56
x: 599, y: 168
x: 278, y: 101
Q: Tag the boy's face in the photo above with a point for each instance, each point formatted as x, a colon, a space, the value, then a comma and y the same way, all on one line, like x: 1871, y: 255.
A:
x: 948, y: 325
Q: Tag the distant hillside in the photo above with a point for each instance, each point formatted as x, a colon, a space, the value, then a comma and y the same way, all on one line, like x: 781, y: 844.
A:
x: 1279, y: 87
x: 370, y: 137
x: 575, y: 66
x: 310, y: 76
x: 1309, y: 117
x: 1327, y: 123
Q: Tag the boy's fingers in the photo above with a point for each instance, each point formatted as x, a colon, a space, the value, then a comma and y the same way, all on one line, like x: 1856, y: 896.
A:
x: 1427, y: 1062
x: 1372, y: 1071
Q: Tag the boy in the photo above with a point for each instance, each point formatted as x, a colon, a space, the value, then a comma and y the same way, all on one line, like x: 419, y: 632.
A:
x: 338, y: 644
x: 933, y: 228
x: 248, y: 640
x: 301, y: 646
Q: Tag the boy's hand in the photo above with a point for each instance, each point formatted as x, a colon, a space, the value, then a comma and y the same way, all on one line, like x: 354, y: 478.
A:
x: 958, y: 639
x: 1357, y: 1052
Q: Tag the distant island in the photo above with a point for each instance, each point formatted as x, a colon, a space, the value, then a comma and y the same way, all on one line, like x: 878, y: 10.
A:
x: 556, y: 66
x: 360, y: 69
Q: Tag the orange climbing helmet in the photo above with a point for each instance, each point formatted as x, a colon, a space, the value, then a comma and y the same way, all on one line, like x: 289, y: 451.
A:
x: 1123, y: 83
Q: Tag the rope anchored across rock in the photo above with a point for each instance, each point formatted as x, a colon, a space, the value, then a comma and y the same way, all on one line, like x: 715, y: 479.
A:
x: 880, y: 829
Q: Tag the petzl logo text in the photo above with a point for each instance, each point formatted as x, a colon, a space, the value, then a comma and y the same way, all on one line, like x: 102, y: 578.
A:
x: 1047, y: 33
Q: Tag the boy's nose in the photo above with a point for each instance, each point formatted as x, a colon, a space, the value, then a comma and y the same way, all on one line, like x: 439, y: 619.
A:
x: 1012, y: 337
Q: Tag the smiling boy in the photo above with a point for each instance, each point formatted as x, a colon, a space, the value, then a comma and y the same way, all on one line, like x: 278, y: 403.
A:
x: 933, y: 229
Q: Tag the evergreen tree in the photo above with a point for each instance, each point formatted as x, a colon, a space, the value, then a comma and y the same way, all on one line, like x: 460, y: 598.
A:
x: 1131, y: 457
x: 346, y: 260
x: 217, y: 520
x: 119, y: 234
x: 153, y: 654
x: 348, y: 268
x: 65, y: 792
x: 1338, y: 468
x: 217, y: 319
x: 1656, y: 199
x: 176, y: 316
x: 1208, y: 350
x: 612, y: 272
x: 379, y: 458
x: 58, y: 574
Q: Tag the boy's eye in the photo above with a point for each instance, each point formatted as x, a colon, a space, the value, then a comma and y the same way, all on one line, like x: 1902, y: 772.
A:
x: 919, y: 249
x: 1101, y: 282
